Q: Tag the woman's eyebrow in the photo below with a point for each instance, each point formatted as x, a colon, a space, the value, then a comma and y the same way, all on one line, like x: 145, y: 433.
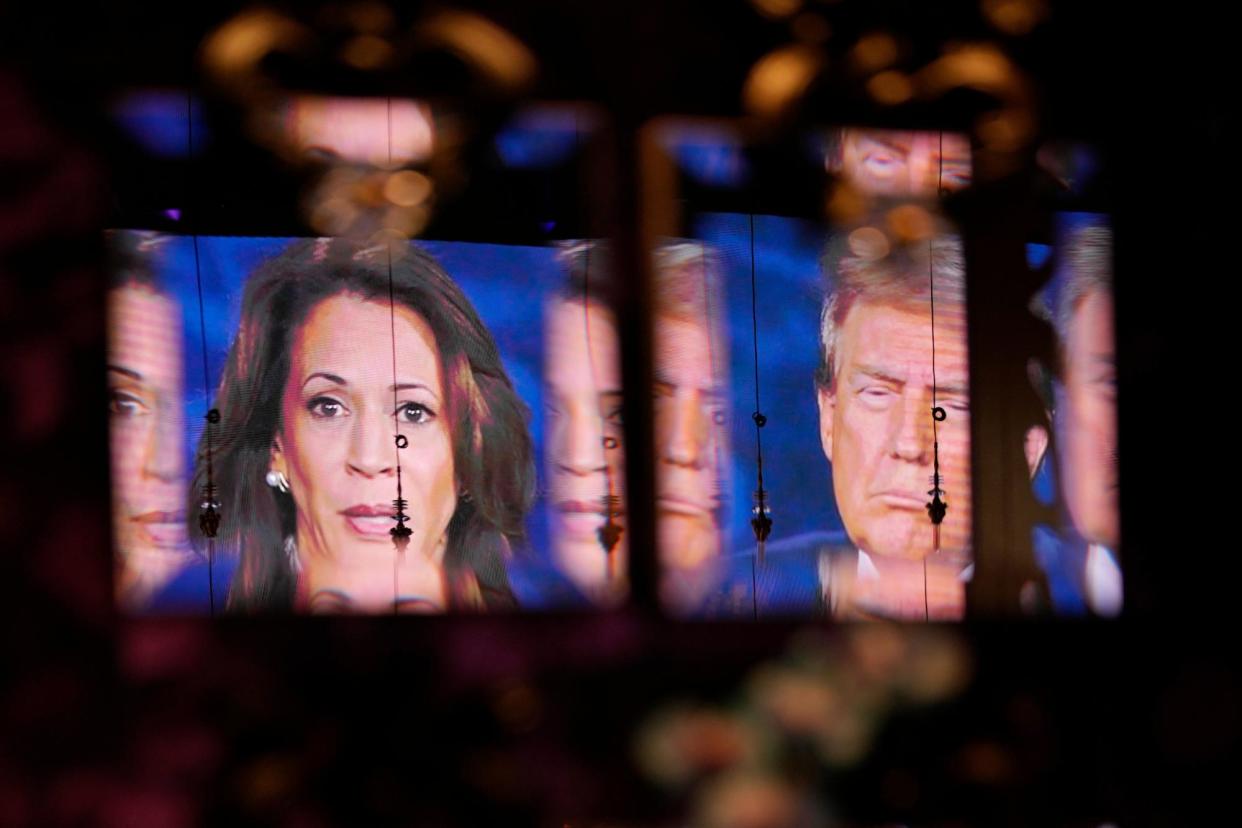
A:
x: 406, y: 386
x: 329, y: 377
x: 129, y: 372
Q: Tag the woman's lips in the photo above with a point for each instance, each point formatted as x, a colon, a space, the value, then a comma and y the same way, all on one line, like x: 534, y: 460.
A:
x: 370, y: 520
x: 165, y: 530
x: 581, y: 518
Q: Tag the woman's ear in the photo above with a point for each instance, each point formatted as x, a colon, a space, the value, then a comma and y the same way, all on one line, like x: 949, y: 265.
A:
x: 277, y: 461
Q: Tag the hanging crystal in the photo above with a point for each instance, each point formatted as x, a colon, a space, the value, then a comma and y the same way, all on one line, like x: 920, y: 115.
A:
x: 400, y: 533
x: 610, y: 533
x: 937, y: 508
x: 209, y: 506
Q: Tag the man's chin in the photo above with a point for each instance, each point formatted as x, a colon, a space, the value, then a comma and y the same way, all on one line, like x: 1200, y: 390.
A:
x: 911, y: 545
x: 908, y: 553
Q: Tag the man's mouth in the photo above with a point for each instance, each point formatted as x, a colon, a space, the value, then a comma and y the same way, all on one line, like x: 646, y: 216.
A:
x: 905, y: 499
x: 675, y: 504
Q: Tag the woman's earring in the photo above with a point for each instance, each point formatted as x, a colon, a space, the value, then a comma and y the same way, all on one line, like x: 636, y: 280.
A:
x: 291, y: 555
x: 464, y: 494
x: 278, y: 481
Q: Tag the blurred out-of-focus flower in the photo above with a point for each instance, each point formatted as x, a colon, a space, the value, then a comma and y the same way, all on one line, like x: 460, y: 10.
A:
x: 799, y: 702
x: 746, y: 799
x: 937, y: 667
x: 684, y: 742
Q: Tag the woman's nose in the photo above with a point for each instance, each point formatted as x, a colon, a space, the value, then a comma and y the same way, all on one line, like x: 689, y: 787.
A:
x: 163, y: 458
x: 582, y: 450
x: 373, y: 450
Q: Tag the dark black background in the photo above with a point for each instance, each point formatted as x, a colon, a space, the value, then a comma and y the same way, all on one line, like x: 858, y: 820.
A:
x: 314, y: 721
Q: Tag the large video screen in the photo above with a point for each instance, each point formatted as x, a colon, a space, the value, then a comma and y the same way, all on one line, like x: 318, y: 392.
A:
x: 801, y: 355
x: 813, y: 386
x: 1078, y: 545
x: 296, y: 389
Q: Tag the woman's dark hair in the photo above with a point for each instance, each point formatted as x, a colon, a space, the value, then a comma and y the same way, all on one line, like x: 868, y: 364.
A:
x: 492, y: 449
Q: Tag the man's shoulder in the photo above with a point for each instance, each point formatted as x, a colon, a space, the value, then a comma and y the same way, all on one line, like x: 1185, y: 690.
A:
x: 789, y: 575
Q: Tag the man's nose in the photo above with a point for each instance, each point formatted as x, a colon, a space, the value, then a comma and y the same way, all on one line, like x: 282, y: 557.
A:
x: 162, y: 458
x: 683, y: 443
x: 912, y: 437
x: 583, y: 448
x: 923, y: 168
x: 372, y: 446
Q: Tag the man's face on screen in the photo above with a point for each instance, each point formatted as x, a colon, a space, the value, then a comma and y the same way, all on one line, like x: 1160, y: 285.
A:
x: 876, y: 427
x: 689, y: 430
x: 899, y: 163
x: 586, y: 459
x: 1087, y: 420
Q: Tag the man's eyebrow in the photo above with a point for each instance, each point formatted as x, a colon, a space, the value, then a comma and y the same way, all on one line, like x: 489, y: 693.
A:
x: 959, y: 389
x: 715, y: 392
x: 329, y: 377
x: 876, y: 372
x: 129, y: 372
x: 894, y: 144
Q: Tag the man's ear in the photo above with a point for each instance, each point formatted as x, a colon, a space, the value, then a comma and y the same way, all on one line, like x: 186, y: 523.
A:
x: 827, y: 414
x: 1035, y: 447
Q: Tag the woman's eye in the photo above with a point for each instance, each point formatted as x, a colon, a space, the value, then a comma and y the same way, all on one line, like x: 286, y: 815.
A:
x: 416, y: 413
x: 325, y: 407
x: 124, y: 404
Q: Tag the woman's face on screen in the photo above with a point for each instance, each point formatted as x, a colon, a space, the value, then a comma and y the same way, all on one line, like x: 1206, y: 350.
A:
x: 144, y: 401
x: 341, y: 411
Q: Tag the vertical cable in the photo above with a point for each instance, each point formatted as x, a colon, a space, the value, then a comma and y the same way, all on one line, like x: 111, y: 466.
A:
x: 209, y: 520
x: 761, y: 522
x: 400, y: 533
x: 609, y: 534
x: 935, y: 509
x: 754, y: 336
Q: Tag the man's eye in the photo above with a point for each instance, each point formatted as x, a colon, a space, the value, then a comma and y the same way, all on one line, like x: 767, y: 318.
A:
x: 124, y: 404
x: 955, y: 177
x: 958, y: 406
x: 612, y: 414
x: 881, y: 161
x: 876, y: 393
x: 719, y: 417
x: 325, y: 408
x: 416, y: 413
